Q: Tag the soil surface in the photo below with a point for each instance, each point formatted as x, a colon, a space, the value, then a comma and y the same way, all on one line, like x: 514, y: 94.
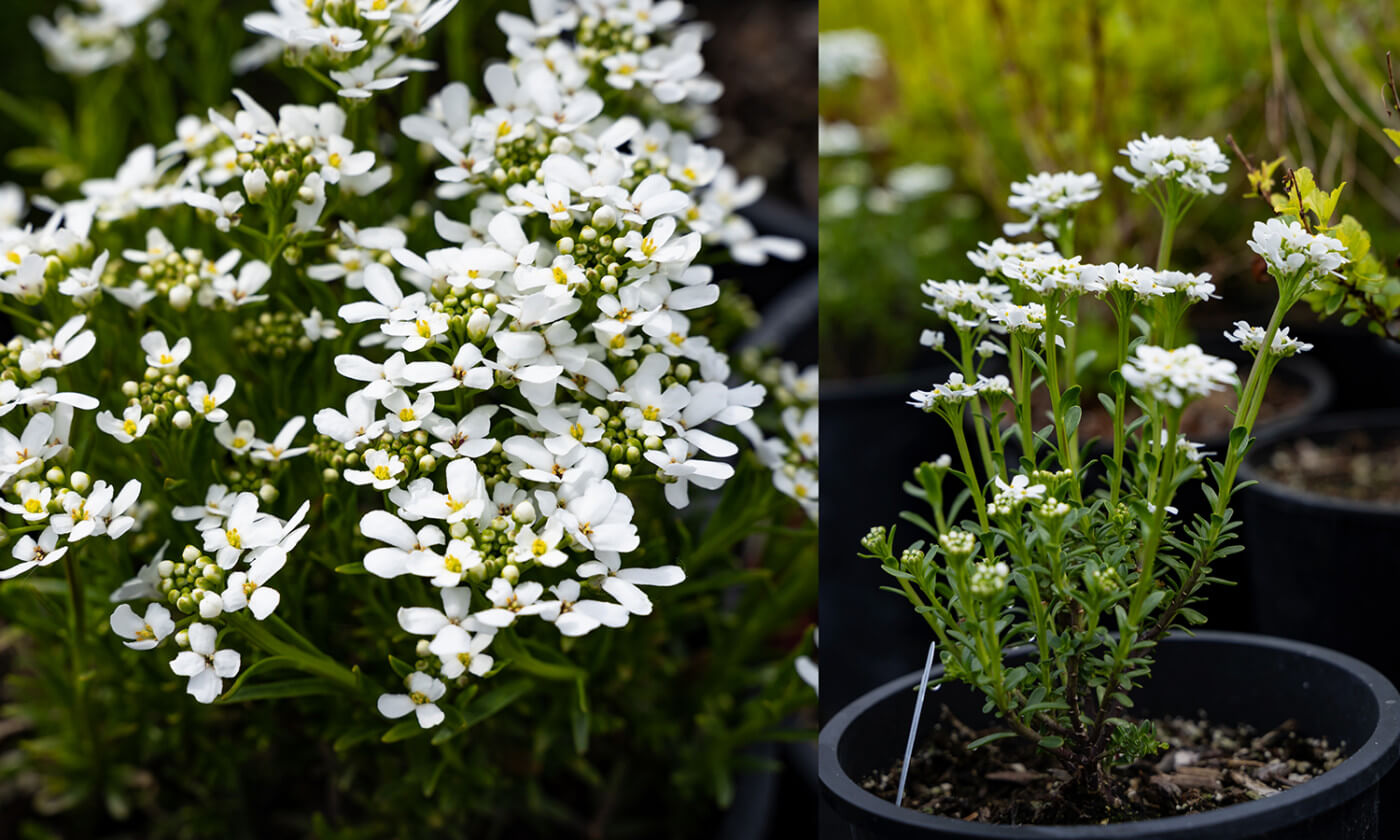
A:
x: 1362, y: 465
x: 1208, y: 765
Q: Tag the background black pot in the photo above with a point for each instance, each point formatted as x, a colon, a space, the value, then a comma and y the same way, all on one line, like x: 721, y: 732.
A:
x: 1234, y: 677
x: 869, y: 635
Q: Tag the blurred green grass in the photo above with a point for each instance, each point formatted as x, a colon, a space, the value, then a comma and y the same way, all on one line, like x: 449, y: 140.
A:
x: 998, y: 89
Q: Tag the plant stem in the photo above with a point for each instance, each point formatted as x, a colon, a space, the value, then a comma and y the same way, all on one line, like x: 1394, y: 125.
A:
x: 77, y: 632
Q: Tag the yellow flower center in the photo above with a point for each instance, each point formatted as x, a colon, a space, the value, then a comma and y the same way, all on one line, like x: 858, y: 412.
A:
x: 14, y: 257
x: 454, y: 505
x: 381, y: 472
x: 539, y: 547
x: 33, y: 506
x: 677, y: 338
x: 648, y: 246
x: 334, y: 160
x: 239, y: 443
x: 503, y: 129
x: 452, y: 564
x: 560, y: 276
x: 210, y: 403
x: 576, y: 430
x: 379, y: 5
x: 418, y: 698
x: 425, y: 330
x: 407, y: 415
x: 166, y: 359
x: 248, y: 588
x: 618, y: 341
x: 689, y: 174
x: 130, y: 427
x: 231, y: 536
x: 651, y: 412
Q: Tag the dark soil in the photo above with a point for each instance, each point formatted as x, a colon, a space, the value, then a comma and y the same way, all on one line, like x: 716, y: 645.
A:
x: 1361, y: 465
x: 1010, y: 781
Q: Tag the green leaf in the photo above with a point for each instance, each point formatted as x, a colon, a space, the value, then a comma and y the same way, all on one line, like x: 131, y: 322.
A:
x: 1052, y: 742
x: 402, y: 668
x: 490, y: 702
x: 356, y: 568
x: 987, y: 739
x: 304, y: 687
x: 403, y: 730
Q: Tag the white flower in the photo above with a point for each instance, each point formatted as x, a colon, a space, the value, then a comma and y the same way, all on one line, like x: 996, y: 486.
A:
x: 67, y: 346
x: 1019, y: 490
x: 403, y: 543
x: 249, y: 589
x: 144, y: 633
x: 623, y: 584
x: 1177, y: 375
x: 1252, y: 338
x: 244, y: 529
x: 675, y: 462
x: 990, y: 258
x: 206, y: 667
x: 207, y: 403
x: 160, y: 355
x: 32, y: 553
x: 1290, y: 251
x: 382, y: 470
x: 575, y: 615
x: 237, y: 439
x: 280, y: 449
x: 847, y: 53
x: 34, y: 501
x: 462, y: 652
x: 507, y: 601
x: 1049, y: 198
x: 132, y: 425
x: 423, y: 692
x: 225, y: 209
x: 1189, y: 163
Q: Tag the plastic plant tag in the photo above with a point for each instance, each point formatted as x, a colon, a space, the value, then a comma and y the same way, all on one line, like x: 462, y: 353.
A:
x: 914, y: 725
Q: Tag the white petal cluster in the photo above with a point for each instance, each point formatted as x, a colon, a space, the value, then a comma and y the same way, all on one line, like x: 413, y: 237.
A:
x: 362, y: 43
x: 1048, y: 198
x: 103, y: 34
x: 1291, y: 251
x: 1177, y: 376
x: 1189, y: 163
x: 793, y: 455
x: 1251, y: 338
x: 849, y: 53
x: 957, y: 391
x: 991, y: 258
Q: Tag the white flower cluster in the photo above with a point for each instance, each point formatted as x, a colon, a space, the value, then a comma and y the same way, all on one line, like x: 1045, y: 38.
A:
x: 1178, y: 375
x: 1251, y: 338
x: 361, y: 42
x: 1144, y: 282
x: 1291, y: 251
x: 848, y: 53
x: 957, y: 391
x: 837, y: 139
x: 1048, y: 198
x: 1179, y: 160
x: 64, y: 507
x: 515, y: 385
x: 992, y: 258
x: 792, y: 456
x: 103, y: 35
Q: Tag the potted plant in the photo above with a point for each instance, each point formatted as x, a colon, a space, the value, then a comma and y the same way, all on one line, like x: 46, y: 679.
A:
x: 358, y: 451
x: 1050, y: 602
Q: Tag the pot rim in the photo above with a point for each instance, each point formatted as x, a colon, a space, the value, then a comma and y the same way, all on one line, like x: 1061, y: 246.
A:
x: 1362, y: 769
x: 1330, y: 424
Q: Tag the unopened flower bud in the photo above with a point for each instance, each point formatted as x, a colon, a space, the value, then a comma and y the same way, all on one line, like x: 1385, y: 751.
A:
x: 478, y: 324
x: 165, y: 568
x: 182, y: 638
x: 511, y: 573
x: 210, y: 605
x: 255, y: 184
x: 524, y: 513
x: 182, y: 420
x: 422, y: 648
x: 622, y: 471
x: 604, y: 218
x: 458, y: 530
x: 180, y: 297
x: 53, y: 476
x: 190, y: 554
x: 268, y: 493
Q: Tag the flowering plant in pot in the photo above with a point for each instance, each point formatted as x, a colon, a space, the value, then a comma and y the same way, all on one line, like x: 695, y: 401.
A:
x: 363, y: 471
x: 1047, y: 599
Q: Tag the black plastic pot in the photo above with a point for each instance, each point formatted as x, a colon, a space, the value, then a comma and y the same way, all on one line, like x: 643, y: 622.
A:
x: 1325, y: 568
x: 1234, y: 677
x: 878, y: 441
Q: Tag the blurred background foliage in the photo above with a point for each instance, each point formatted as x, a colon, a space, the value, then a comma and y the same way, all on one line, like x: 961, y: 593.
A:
x: 993, y: 90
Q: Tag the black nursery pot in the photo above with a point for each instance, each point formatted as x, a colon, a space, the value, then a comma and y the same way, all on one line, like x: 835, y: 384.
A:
x: 1234, y: 677
x: 1325, y: 569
